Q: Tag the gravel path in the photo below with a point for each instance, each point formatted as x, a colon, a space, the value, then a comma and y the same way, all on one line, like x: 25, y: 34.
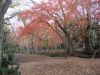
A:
x: 43, y: 65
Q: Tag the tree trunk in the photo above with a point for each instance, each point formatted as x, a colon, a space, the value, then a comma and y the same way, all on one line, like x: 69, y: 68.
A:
x: 4, y: 4
x: 70, y: 45
x: 69, y: 49
x: 87, y: 42
x: 87, y: 46
x: 98, y: 38
x: 94, y: 54
x: 1, y: 37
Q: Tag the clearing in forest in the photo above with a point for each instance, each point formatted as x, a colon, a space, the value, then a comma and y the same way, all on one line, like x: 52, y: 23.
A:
x: 44, y: 65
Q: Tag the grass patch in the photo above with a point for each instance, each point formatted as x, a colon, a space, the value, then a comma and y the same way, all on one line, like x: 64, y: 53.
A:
x: 88, y: 56
x: 53, y: 54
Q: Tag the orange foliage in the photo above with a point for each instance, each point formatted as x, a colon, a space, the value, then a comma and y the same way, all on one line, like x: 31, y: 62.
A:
x: 41, y: 20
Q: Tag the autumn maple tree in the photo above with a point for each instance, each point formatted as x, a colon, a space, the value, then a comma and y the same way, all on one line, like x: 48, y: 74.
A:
x: 85, y: 21
x: 39, y: 36
x: 62, y: 17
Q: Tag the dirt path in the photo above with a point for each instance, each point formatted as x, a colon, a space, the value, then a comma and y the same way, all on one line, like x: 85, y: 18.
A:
x: 43, y: 65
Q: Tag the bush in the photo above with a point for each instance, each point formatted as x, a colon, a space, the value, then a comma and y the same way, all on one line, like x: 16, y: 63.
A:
x: 10, y: 71
x: 96, y: 47
x: 88, y: 56
x: 9, y: 65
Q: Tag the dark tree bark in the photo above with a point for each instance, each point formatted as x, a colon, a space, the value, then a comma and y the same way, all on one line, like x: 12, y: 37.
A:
x: 4, y: 4
x: 69, y: 49
x: 86, y: 39
x: 87, y: 46
x: 1, y: 38
x: 98, y: 38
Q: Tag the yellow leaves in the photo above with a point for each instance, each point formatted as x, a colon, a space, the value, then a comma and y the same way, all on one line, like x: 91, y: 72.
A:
x: 15, y: 4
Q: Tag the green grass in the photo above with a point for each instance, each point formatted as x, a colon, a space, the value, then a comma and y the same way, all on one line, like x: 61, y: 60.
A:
x: 89, y: 56
x: 53, y: 54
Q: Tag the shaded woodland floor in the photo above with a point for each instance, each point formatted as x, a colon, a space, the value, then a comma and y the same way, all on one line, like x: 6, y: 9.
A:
x: 44, y: 65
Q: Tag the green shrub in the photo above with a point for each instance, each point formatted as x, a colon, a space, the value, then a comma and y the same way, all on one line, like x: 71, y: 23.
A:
x: 9, y: 65
x: 89, y: 56
x: 53, y: 54
x: 96, y: 47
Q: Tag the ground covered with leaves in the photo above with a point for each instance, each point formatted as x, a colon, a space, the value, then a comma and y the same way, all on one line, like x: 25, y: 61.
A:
x: 44, y: 65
